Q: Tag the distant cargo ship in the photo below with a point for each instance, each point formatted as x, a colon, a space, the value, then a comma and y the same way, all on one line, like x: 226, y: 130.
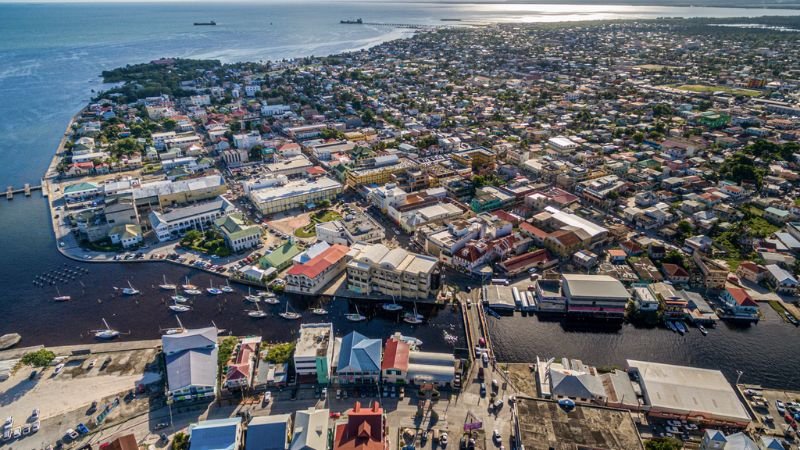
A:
x: 357, y: 21
x: 450, y: 20
x: 198, y: 24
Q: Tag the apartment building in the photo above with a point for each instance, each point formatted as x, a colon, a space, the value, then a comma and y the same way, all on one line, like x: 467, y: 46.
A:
x: 395, y: 272
x: 313, y: 354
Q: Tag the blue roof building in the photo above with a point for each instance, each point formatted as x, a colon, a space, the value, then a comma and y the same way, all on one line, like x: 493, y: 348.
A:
x: 220, y: 434
x: 359, y: 360
x: 268, y: 432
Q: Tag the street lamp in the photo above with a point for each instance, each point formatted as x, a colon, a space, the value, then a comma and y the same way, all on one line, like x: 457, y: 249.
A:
x: 738, y: 376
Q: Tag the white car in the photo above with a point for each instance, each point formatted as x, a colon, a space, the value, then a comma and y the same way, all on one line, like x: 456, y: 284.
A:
x: 780, y: 407
x: 72, y: 434
x: 17, y: 432
x: 59, y: 368
x: 35, y: 415
x: 496, y: 435
x: 443, y: 440
x: 35, y: 427
x: 9, y: 423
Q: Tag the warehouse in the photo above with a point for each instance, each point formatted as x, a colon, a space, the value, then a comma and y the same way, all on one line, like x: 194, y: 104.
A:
x: 689, y: 393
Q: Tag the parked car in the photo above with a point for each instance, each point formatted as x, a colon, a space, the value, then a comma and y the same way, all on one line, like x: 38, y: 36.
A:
x: 82, y: 429
x: 483, y: 389
x: 496, y: 435
x: 35, y: 415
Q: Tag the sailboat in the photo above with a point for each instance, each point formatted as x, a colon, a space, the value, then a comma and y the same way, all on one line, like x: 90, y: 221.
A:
x: 219, y: 330
x: 61, y: 298
x: 356, y: 316
x: 270, y: 298
x: 212, y: 290
x: 257, y: 313
x: 227, y: 287
x: 177, y: 307
x: 289, y: 315
x: 167, y: 286
x: 179, y: 329
x: 392, y: 307
x: 252, y: 298
x: 106, y: 333
x: 130, y: 290
x: 179, y: 298
x: 413, y: 318
x: 319, y: 312
x: 187, y: 286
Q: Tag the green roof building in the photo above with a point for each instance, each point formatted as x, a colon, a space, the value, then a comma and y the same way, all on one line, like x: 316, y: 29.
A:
x: 237, y: 233
x: 281, y: 257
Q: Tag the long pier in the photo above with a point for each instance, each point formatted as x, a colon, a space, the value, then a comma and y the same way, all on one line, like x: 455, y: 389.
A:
x: 27, y: 189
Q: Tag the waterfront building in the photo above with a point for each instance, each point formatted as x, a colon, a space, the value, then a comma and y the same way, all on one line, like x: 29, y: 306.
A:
x: 127, y: 235
x: 739, y: 303
x: 549, y: 296
x: 166, y: 193
x: 358, y: 361
x: 81, y: 191
x: 310, y: 277
x: 687, y: 393
x: 268, y: 432
x: 781, y: 280
x: 310, y: 430
x: 281, y: 257
x: 394, y: 365
x: 715, y: 273
x: 303, y: 193
x: 172, y: 223
x: 644, y: 300
x: 313, y: 354
x: 237, y: 233
x: 191, y: 363
x: 217, y: 434
x: 374, y: 268
x: 365, y: 429
x: 597, y: 296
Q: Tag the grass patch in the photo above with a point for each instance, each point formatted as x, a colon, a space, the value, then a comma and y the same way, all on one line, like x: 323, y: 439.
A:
x: 210, y: 242
x: 702, y: 88
x: 778, y: 307
x: 104, y: 245
x: 322, y: 216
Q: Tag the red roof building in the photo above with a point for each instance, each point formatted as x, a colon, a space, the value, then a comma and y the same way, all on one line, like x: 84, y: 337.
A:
x: 395, y: 360
x: 364, y: 430
x: 314, y: 274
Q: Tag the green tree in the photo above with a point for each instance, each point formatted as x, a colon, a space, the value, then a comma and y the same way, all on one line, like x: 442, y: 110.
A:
x: 280, y: 353
x: 39, y: 358
x: 667, y: 443
x: 170, y: 124
x: 674, y: 257
x: 638, y: 137
x: 180, y: 441
x: 225, y: 351
x: 255, y: 153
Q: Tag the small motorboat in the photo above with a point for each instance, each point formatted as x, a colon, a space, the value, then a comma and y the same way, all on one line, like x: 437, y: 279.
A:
x: 702, y: 329
x: 270, y: 298
x: 319, y: 312
x: 179, y: 298
x: 61, y: 298
x: 251, y: 298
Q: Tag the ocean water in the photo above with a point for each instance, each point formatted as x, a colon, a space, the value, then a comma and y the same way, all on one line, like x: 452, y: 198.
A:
x: 51, y: 56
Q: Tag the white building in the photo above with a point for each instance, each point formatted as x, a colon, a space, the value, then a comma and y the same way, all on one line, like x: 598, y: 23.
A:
x: 353, y: 228
x: 294, y: 194
x: 311, y: 277
x: 172, y: 223
x: 562, y: 144
x: 247, y: 140
x: 313, y: 354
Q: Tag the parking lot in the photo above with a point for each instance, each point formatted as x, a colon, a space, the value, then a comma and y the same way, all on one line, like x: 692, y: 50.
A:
x: 65, y: 394
x: 775, y: 410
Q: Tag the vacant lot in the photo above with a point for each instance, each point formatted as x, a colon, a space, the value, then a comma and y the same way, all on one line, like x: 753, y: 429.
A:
x: 77, y: 385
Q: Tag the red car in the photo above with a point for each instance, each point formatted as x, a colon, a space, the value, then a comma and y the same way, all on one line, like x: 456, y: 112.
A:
x: 335, y: 415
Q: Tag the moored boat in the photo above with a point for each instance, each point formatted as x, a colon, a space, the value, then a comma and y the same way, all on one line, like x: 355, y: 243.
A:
x: 167, y: 286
